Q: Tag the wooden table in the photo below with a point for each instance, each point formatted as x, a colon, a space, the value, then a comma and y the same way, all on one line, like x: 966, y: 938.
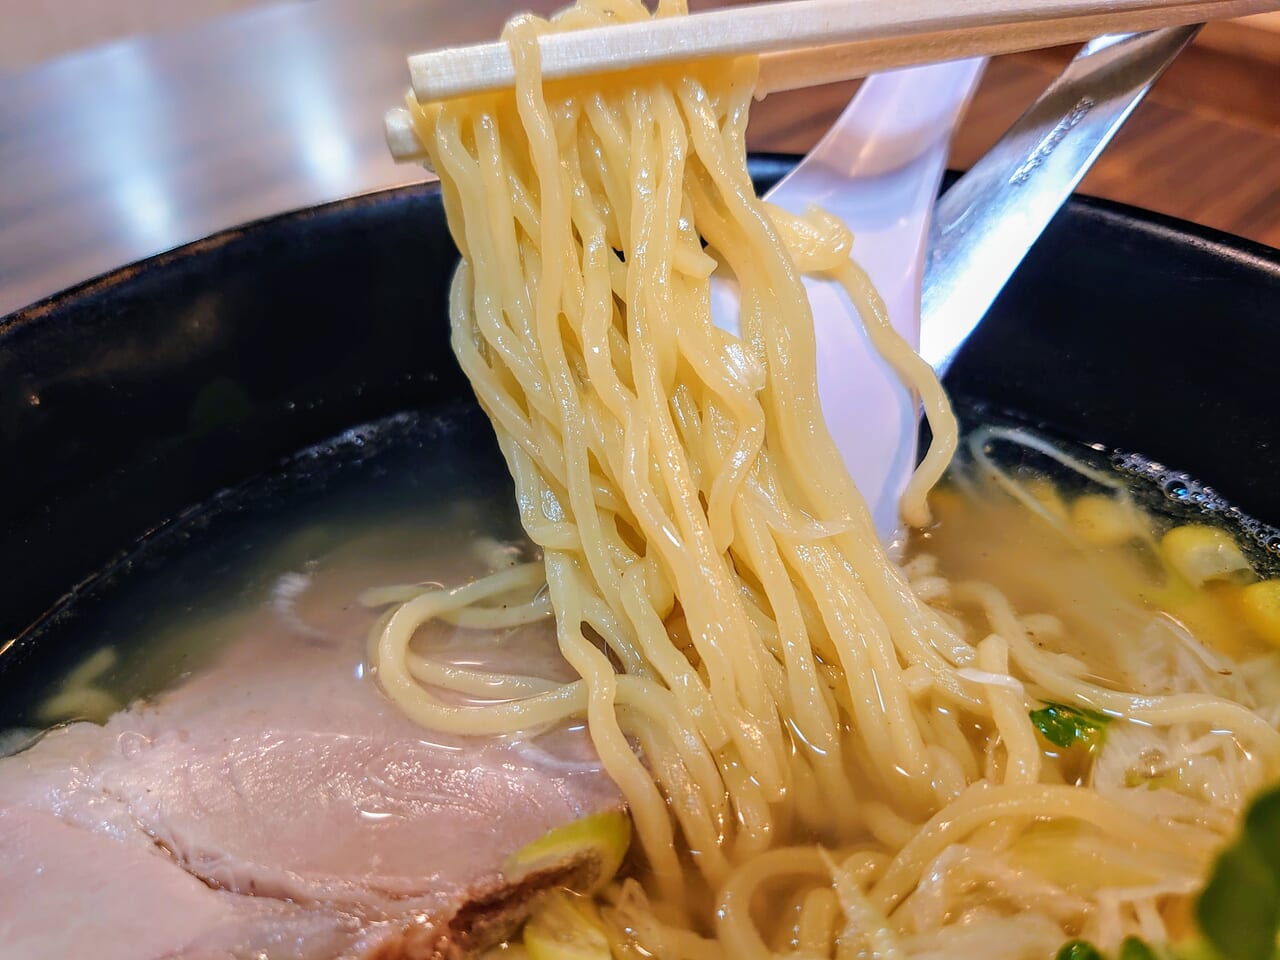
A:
x: 133, y: 148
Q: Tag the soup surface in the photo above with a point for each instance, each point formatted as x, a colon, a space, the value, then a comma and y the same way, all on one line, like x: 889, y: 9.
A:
x: 405, y: 497
x: 1138, y: 573
x: 415, y: 493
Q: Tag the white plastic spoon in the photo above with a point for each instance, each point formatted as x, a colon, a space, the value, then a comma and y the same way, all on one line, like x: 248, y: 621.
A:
x: 878, y: 169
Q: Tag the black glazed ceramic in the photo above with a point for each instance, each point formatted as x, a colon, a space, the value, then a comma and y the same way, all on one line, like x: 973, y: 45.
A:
x: 136, y: 395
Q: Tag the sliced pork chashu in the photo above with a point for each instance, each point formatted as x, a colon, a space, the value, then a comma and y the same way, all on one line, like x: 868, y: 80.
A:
x: 303, y: 804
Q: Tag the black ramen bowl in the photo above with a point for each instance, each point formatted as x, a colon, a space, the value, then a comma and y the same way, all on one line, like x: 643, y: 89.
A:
x: 134, y: 396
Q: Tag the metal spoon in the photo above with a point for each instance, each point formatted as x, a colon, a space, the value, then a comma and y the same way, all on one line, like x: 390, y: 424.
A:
x: 985, y: 224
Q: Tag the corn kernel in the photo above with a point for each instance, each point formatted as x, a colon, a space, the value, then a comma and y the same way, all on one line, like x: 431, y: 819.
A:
x: 1200, y: 554
x: 1212, y: 614
x: 1104, y: 521
x: 1260, y: 606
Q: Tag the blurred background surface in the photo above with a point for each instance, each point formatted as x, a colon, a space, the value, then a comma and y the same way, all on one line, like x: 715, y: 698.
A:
x: 131, y: 127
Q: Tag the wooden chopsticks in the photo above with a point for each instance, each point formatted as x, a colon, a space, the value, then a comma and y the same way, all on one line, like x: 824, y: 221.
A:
x: 804, y: 43
x: 858, y: 35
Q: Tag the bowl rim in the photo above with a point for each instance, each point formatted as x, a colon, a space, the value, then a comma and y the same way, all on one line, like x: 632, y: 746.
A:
x: 1250, y: 254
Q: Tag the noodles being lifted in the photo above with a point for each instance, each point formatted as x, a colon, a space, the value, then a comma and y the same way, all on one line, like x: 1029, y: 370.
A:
x: 776, y: 700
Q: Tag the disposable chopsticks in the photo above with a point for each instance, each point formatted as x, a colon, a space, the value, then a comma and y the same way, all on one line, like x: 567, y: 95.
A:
x: 862, y: 35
